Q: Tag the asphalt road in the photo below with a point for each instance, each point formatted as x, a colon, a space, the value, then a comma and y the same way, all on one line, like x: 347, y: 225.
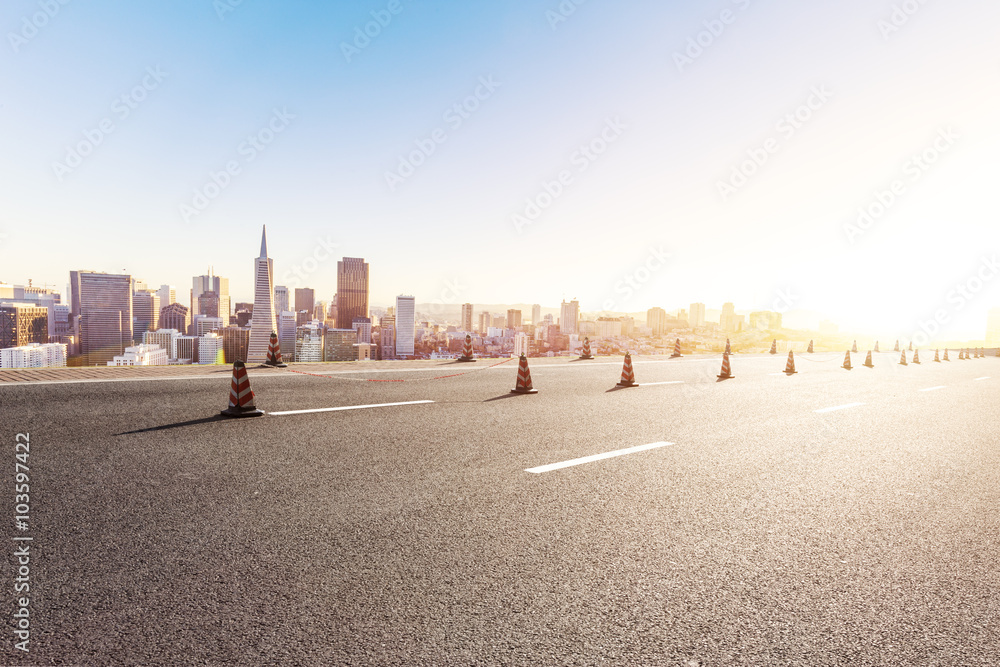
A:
x: 765, y: 533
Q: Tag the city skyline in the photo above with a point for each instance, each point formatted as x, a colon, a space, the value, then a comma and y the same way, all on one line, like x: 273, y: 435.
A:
x: 692, y: 155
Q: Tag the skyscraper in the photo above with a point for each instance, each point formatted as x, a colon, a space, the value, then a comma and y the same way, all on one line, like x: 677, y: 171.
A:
x: 697, y: 317
x: 175, y: 316
x: 167, y: 294
x: 656, y: 319
x: 145, y: 311
x: 101, y: 313
x: 305, y: 303
x: 467, y: 317
x: 211, y: 283
x: 264, y: 320
x: 405, y: 325
x: 485, y: 321
x: 569, y: 315
x: 352, y: 290
x: 387, y: 336
x: 513, y: 318
x: 536, y: 314
x: 280, y: 298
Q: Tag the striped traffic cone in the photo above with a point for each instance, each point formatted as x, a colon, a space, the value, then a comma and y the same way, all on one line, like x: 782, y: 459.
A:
x: 902, y: 358
x: 896, y: 349
x: 728, y: 350
x: 854, y: 347
x: 868, y: 360
x: 810, y: 348
x: 916, y: 356
x: 961, y: 354
x: 726, y: 372
x: 790, y: 364
x: 936, y: 357
x: 981, y: 353
x: 628, y: 376
x: 523, y: 378
x: 677, y: 349
x: 240, y: 394
x: 946, y: 355
x: 585, y: 354
x: 876, y: 346
x: 847, y: 361
x: 467, y: 349
x: 273, y: 354
x: 774, y: 346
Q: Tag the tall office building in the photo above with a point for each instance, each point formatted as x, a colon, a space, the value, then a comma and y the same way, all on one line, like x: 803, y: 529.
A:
x: 167, y: 294
x: 728, y: 319
x: 466, y: 318
x: 697, y: 316
x: 210, y: 304
x: 656, y: 319
x: 485, y: 321
x: 211, y: 283
x: 145, y: 311
x: 405, y: 325
x: 513, y: 318
x: 264, y: 320
x: 101, y: 314
x: 387, y: 336
x: 305, y: 303
x: 569, y: 315
x: 286, y: 335
x: 536, y: 314
x: 175, y: 316
x: 352, y: 290
x: 993, y: 327
x: 22, y: 323
x: 280, y: 298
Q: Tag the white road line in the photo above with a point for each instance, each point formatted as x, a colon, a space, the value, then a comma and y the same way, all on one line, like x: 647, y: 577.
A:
x: 650, y: 384
x: 839, y: 407
x: 347, y: 407
x: 597, y: 457
x: 941, y: 386
x: 985, y: 378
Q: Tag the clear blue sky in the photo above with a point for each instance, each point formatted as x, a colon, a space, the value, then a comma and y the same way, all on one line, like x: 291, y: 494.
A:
x: 673, y: 130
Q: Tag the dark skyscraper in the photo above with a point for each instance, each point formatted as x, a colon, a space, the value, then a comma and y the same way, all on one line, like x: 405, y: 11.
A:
x: 352, y: 290
x: 305, y: 301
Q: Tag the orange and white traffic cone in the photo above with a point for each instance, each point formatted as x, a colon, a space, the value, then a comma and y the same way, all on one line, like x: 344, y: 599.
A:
x: 467, y: 350
x: 726, y: 372
x: 961, y: 354
x: 628, y: 376
x: 868, y: 360
x: 810, y: 348
x: 790, y: 364
x: 677, y: 349
x: 854, y: 347
x: 902, y: 358
x: 273, y: 354
x: 936, y: 357
x: 945, y: 358
x: 876, y: 346
x: 916, y: 356
x: 774, y: 346
x: 728, y: 350
x: 523, y: 378
x: 240, y: 394
x: 585, y: 354
x: 896, y: 349
x: 847, y: 361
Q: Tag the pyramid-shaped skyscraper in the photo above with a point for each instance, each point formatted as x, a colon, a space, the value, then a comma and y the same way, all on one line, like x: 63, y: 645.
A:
x: 263, y: 321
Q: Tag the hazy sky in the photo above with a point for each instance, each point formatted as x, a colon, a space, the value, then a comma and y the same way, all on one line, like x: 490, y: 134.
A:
x: 333, y: 137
